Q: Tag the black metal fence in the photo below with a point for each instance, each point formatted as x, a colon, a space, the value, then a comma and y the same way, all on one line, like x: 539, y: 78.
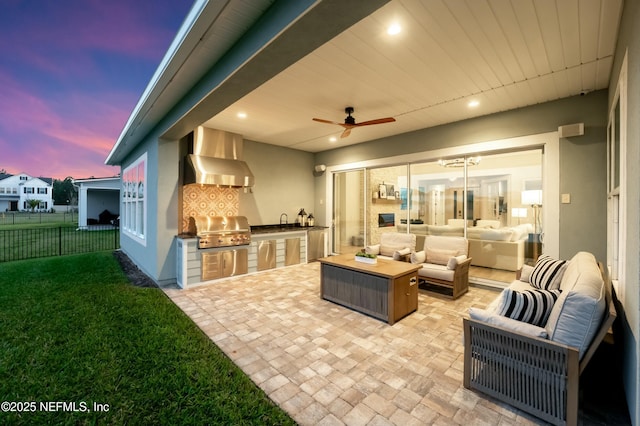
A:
x: 18, y: 244
x: 27, y: 218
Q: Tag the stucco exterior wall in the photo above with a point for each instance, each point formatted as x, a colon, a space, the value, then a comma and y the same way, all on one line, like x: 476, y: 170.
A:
x: 629, y: 43
x: 284, y: 183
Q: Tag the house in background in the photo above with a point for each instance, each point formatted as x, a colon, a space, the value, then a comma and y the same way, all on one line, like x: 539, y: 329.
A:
x: 95, y: 196
x: 17, y: 190
x: 535, y: 69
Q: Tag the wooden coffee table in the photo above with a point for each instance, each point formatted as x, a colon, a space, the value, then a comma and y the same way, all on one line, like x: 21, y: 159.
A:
x: 387, y: 290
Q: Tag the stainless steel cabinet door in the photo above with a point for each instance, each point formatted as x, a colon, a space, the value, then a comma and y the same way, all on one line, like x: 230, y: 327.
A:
x: 292, y: 251
x: 234, y: 262
x: 266, y: 255
x: 315, y: 245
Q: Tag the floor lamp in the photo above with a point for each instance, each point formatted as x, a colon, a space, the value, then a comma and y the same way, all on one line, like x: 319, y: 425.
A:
x: 534, y: 199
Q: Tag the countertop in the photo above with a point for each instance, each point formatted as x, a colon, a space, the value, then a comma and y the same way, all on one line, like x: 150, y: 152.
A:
x: 269, y: 229
x: 272, y: 229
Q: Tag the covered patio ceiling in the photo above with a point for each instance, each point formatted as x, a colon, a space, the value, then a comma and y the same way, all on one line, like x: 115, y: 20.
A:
x: 500, y: 54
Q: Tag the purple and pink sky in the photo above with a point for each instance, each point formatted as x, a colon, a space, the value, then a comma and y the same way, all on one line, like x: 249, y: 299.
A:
x: 71, y: 72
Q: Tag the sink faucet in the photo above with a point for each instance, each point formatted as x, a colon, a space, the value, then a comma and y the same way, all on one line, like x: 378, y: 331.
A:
x: 286, y: 219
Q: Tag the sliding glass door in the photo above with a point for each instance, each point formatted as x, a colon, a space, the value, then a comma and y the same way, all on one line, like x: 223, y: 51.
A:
x: 348, y: 211
x: 494, y: 200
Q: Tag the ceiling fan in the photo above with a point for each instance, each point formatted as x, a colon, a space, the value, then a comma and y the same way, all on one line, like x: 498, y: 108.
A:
x: 350, y: 122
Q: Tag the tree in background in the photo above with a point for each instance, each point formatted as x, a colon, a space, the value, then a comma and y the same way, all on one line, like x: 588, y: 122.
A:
x: 64, y: 192
x: 33, y: 204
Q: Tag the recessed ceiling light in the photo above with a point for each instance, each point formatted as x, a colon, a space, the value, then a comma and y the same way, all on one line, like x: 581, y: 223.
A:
x: 242, y: 115
x: 473, y: 104
x: 333, y: 139
x: 394, y: 29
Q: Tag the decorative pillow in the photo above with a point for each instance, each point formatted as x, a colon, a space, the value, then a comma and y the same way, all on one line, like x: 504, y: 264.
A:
x: 525, y: 273
x: 453, y: 262
x: 375, y: 249
x: 530, y: 306
x: 440, y: 257
x: 399, y: 254
x: 418, y: 257
x: 547, y: 273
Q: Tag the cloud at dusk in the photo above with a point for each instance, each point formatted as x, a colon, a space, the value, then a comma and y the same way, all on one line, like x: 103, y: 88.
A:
x: 71, y: 72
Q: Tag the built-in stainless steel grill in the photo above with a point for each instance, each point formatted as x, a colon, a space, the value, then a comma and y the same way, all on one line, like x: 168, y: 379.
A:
x: 221, y: 231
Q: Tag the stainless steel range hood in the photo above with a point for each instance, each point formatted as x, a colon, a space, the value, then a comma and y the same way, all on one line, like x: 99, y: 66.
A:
x: 216, y: 159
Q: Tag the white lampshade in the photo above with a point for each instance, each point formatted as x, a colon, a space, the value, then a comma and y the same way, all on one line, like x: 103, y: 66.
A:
x: 532, y: 197
x: 519, y: 212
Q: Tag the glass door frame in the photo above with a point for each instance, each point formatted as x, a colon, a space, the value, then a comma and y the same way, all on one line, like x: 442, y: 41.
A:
x: 550, y: 171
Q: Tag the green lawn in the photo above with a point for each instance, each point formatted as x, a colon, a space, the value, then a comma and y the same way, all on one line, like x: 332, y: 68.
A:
x: 36, y: 218
x: 73, y: 330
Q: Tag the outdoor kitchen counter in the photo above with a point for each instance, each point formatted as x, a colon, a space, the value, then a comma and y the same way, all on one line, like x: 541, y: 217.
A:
x: 276, y: 229
x: 272, y: 246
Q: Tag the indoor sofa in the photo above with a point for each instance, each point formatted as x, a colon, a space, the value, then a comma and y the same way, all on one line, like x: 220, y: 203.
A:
x: 498, y: 248
x: 490, y: 246
x: 532, y: 358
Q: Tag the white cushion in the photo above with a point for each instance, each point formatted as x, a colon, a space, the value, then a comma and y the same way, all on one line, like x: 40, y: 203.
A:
x: 521, y: 232
x: 576, y: 315
x: 395, y: 241
x: 431, y: 270
x: 455, y: 260
x: 418, y: 257
x: 455, y: 222
x: 508, y: 323
x: 525, y: 273
x: 488, y: 223
x: 445, y: 230
x: 489, y: 234
x: 439, y: 256
x: 531, y: 306
x: 459, y: 244
x: 547, y: 273
x: 374, y: 249
x: 399, y: 254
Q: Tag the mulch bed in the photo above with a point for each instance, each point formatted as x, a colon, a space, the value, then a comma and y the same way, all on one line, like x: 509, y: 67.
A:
x: 135, y: 275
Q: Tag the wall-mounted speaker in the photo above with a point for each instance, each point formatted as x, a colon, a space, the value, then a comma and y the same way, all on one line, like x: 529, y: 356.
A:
x: 320, y: 168
x: 570, y: 130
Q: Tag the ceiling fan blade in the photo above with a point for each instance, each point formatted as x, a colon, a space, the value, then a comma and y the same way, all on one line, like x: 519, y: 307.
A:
x: 320, y: 120
x: 347, y: 132
x: 377, y: 121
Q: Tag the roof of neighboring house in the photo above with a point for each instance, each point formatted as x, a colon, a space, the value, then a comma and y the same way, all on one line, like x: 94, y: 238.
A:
x: 94, y: 179
x: 47, y: 180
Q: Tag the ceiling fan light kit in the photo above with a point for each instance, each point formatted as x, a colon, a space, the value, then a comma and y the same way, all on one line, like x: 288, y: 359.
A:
x: 350, y: 122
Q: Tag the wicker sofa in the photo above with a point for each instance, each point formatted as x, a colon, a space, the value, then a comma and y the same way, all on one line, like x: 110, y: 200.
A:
x: 445, y: 263
x: 393, y: 245
x: 537, y: 367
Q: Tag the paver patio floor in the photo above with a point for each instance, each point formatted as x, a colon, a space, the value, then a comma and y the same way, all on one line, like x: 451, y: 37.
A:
x: 328, y: 365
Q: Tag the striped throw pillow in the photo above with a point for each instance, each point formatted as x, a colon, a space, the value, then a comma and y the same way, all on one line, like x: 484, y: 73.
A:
x: 531, y: 306
x: 547, y: 273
